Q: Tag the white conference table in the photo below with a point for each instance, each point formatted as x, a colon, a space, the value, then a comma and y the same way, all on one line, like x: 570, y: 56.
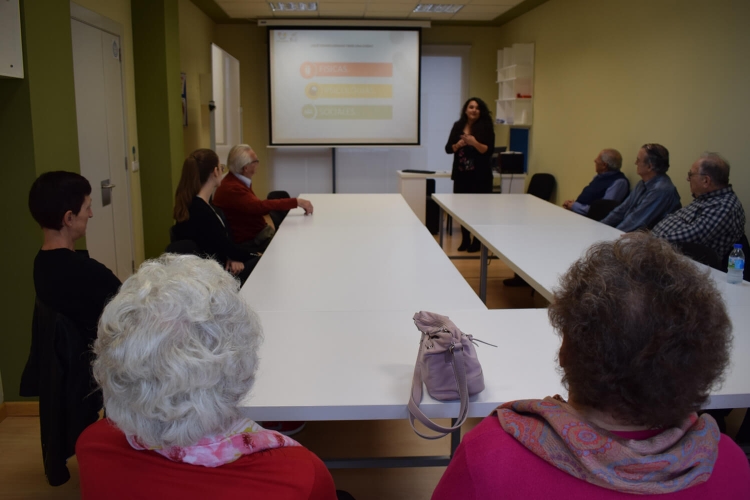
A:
x: 537, y: 239
x: 358, y: 365
x: 356, y: 253
x: 540, y: 241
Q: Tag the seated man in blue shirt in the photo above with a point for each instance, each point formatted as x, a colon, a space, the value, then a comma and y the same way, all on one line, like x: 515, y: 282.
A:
x: 653, y: 198
x: 715, y: 218
x: 608, y: 184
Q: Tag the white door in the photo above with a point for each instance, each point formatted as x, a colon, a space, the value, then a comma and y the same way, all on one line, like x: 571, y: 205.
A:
x: 101, y: 145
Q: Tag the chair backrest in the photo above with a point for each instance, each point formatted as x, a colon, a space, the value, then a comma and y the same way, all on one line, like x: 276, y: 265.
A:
x: 700, y: 253
x: 599, y: 209
x: 278, y: 216
x: 184, y: 247
x: 542, y: 186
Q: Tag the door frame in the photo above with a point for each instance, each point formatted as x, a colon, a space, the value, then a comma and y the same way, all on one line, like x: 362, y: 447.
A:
x: 98, y: 21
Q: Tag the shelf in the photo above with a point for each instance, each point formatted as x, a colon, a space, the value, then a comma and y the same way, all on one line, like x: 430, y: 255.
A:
x: 515, y: 76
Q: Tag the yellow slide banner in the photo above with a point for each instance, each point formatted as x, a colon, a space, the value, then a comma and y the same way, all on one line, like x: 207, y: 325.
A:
x: 332, y: 112
x: 349, y: 91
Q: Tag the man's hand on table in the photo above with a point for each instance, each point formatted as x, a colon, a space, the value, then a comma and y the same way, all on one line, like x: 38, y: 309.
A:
x: 306, y: 205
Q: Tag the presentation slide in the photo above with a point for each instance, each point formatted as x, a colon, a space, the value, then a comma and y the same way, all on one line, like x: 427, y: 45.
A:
x: 344, y: 86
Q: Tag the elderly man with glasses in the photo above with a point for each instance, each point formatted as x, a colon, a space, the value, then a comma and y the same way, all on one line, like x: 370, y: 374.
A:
x: 715, y: 218
x: 653, y: 198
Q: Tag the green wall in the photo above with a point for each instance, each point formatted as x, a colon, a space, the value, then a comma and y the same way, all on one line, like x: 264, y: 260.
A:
x: 156, y: 51
x: 37, y: 134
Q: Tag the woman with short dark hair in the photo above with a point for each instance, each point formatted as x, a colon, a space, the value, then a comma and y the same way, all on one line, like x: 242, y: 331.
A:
x: 71, y: 292
x: 645, y: 337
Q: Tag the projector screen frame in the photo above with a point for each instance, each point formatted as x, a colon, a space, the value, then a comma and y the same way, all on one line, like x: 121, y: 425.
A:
x: 345, y: 28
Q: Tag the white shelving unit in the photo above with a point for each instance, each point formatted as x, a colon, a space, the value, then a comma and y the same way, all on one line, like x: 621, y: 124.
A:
x: 515, y: 81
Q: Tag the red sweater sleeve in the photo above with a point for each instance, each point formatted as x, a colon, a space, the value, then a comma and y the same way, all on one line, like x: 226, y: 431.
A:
x: 233, y: 196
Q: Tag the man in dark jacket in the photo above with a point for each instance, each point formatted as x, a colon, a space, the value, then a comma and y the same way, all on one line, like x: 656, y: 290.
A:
x: 608, y: 184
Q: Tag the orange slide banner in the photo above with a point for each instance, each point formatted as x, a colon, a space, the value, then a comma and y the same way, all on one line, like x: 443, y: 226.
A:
x: 350, y: 69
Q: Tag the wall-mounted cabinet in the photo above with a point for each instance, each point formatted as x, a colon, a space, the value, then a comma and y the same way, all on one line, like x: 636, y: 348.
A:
x: 11, y: 52
x: 515, y: 80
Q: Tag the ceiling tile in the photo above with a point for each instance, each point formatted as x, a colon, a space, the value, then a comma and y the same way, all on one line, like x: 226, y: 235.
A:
x: 484, y: 9
x: 505, y: 3
x: 341, y: 9
x: 404, y: 9
x: 248, y: 10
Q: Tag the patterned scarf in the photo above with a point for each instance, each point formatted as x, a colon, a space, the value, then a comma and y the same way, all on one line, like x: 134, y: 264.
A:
x: 245, y: 437
x: 673, y: 460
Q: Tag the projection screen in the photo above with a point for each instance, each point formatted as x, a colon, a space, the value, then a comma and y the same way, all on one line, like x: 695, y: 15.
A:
x: 331, y: 86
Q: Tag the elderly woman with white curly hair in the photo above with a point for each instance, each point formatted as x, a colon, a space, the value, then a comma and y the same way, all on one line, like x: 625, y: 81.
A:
x: 176, y: 352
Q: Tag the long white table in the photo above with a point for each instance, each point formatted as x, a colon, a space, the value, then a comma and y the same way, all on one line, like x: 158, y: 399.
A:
x: 334, y: 291
x: 356, y: 253
x: 358, y: 365
x: 540, y: 241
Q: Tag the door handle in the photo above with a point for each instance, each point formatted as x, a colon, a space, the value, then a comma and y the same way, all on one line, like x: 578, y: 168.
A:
x: 106, y: 192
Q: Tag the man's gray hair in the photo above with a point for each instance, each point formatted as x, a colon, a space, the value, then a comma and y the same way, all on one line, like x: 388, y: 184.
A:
x: 716, y: 167
x: 612, y: 159
x: 176, y: 351
x: 239, y: 156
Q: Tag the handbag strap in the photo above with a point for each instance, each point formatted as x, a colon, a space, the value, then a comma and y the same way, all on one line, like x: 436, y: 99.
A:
x: 459, y: 372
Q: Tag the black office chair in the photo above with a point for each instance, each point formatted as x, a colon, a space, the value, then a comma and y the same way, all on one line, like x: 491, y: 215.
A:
x: 542, y: 186
x: 601, y: 208
x: 278, y: 216
x: 183, y: 247
x: 699, y: 253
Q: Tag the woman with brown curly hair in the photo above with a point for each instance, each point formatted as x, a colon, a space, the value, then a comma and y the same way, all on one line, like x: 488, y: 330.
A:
x: 645, y: 337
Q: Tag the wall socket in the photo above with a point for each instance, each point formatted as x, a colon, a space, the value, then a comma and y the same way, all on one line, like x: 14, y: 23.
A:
x: 135, y: 166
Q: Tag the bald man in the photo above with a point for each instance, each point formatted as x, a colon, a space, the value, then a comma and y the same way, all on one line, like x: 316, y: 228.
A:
x: 715, y: 218
x: 608, y: 184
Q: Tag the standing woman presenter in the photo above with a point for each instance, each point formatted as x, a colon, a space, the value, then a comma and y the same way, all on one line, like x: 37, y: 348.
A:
x: 472, y: 142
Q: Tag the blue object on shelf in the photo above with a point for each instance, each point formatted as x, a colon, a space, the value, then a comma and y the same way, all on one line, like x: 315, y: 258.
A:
x: 519, y: 141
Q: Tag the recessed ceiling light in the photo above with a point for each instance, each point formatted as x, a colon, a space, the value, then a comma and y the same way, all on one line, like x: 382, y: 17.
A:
x: 436, y: 8
x: 293, y: 6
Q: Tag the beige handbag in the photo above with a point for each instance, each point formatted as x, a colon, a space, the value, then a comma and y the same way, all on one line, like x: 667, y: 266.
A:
x: 447, y: 363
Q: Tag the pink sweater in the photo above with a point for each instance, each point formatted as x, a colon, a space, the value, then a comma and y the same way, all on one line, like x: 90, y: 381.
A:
x: 490, y: 463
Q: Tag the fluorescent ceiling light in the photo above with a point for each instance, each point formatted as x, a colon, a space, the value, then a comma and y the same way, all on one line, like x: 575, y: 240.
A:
x: 293, y: 6
x: 438, y: 8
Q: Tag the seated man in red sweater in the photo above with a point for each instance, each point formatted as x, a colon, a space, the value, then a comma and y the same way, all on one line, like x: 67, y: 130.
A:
x: 243, y: 209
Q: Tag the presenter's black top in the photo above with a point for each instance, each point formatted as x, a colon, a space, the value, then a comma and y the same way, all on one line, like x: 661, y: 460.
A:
x: 209, y: 230
x: 74, y: 285
x: 471, y: 169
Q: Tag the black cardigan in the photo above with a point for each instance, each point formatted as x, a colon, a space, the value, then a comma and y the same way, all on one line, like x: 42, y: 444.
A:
x: 209, y: 234
x: 484, y: 135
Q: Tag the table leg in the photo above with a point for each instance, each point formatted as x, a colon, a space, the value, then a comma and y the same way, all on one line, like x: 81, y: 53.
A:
x: 442, y: 226
x: 483, y: 274
x: 455, y: 438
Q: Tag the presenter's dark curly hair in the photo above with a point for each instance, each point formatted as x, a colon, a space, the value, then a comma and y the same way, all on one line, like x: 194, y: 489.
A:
x: 485, y: 117
x: 645, y: 333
